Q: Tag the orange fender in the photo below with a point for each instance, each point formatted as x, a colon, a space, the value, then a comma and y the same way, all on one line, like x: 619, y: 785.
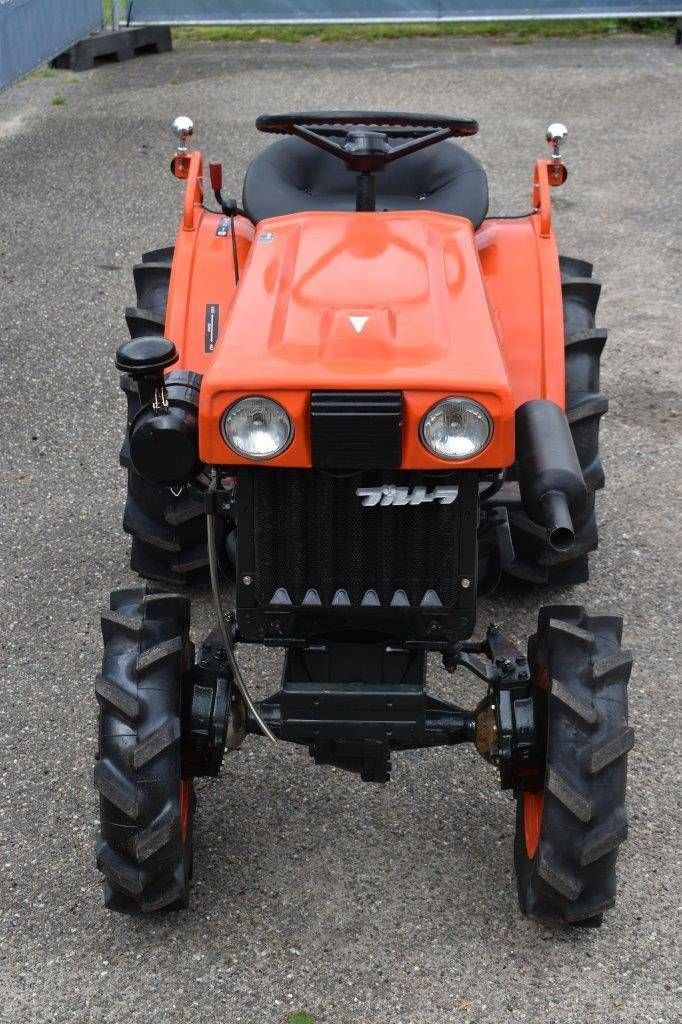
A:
x: 202, y: 283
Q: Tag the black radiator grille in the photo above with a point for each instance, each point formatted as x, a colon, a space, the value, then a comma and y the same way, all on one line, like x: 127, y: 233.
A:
x: 311, y: 532
x: 356, y: 429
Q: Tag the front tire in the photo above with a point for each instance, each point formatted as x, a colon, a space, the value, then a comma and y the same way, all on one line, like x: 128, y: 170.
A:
x: 146, y: 807
x: 569, y: 832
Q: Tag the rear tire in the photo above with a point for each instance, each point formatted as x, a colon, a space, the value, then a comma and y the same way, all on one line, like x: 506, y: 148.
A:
x: 168, y: 529
x: 146, y: 807
x: 536, y: 561
x: 569, y: 833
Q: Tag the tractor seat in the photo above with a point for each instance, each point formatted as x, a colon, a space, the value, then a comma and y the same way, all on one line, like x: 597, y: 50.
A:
x: 291, y: 176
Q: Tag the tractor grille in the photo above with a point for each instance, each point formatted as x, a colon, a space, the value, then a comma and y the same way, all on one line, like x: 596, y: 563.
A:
x: 311, y: 533
x: 356, y: 429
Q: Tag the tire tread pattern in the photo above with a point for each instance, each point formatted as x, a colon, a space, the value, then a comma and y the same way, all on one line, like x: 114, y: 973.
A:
x: 572, y: 879
x: 141, y: 853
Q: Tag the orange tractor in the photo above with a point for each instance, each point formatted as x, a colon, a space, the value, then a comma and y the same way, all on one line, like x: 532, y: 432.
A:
x: 355, y: 404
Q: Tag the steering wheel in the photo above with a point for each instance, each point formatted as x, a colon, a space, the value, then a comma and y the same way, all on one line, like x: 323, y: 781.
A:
x: 367, y: 137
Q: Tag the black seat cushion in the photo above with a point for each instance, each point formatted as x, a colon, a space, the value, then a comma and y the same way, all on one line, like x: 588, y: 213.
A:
x: 291, y: 176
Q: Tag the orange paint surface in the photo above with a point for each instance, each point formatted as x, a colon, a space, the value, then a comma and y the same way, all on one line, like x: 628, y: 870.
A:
x: 412, y: 301
x: 533, y: 804
x: 202, y: 274
x: 523, y: 284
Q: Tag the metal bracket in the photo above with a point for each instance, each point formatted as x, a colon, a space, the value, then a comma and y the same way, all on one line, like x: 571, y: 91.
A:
x: 509, y: 719
x: 214, y: 717
x: 216, y: 502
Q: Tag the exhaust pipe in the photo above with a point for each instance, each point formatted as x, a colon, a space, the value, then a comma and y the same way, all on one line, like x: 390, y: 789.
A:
x: 558, y: 521
x: 551, y: 482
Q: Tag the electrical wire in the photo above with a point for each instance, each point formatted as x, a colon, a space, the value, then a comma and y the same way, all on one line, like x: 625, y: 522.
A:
x: 222, y: 625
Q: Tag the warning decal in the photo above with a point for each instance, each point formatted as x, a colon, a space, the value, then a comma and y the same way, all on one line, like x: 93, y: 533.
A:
x: 212, y: 326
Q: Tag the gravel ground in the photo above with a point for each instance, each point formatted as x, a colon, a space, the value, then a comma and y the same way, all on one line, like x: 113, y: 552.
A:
x: 312, y: 891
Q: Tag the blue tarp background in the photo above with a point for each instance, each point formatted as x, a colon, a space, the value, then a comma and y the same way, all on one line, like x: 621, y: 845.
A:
x: 236, y: 11
x: 34, y: 31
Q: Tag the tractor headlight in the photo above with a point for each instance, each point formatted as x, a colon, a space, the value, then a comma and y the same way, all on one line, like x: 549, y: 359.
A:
x: 257, y: 428
x: 456, y: 428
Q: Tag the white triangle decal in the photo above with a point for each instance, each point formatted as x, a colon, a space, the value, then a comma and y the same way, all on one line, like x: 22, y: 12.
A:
x: 358, y: 322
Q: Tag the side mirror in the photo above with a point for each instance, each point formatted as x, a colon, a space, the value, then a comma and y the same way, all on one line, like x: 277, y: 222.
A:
x: 183, y: 129
x: 555, y: 135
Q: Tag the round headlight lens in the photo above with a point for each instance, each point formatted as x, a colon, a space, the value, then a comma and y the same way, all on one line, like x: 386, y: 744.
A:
x: 257, y: 428
x: 456, y: 428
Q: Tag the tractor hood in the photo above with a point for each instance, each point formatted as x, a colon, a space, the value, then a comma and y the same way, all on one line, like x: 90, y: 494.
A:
x: 343, y: 301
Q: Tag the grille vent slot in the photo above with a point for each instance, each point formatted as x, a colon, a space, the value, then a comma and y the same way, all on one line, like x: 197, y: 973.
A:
x: 356, y: 429
x: 315, y: 544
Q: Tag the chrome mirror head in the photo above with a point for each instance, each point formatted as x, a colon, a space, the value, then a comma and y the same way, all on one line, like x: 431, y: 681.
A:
x: 555, y: 135
x: 183, y: 129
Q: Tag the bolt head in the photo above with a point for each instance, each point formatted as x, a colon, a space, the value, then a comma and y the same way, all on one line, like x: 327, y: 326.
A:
x: 247, y: 581
x: 465, y: 582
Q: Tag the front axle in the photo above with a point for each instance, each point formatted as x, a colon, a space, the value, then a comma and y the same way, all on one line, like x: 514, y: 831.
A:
x: 353, y: 703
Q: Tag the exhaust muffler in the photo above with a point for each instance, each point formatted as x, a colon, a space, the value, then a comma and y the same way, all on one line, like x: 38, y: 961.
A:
x: 551, y: 483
